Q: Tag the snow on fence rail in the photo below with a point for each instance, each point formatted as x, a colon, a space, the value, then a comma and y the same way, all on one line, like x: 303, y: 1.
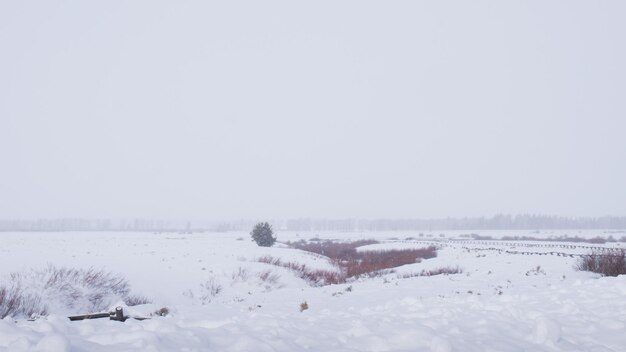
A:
x: 608, y: 251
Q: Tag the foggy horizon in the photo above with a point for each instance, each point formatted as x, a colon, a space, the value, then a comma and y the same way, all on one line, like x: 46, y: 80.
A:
x: 235, y: 219
x: 282, y: 110
x: 533, y: 222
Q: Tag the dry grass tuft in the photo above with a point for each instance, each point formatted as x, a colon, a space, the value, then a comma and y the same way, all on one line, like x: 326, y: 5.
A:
x: 210, y: 289
x: 269, y: 277
x: 136, y: 300
x: 14, y: 302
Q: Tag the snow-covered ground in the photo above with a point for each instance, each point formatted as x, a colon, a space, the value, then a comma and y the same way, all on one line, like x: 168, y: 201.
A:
x: 221, y: 299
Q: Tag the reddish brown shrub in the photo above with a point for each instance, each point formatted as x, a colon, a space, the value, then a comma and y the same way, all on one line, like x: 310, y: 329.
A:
x: 352, y: 262
x: 313, y: 277
x: 372, y: 261
x: 333, y: 250
x: 355, y: 263
x: 607, y: 264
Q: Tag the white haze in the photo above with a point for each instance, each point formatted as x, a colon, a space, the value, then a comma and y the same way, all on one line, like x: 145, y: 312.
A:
x: 250, y: 109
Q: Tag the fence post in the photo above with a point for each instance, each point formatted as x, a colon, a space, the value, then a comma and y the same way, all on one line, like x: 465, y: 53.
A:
x: 119, y: 314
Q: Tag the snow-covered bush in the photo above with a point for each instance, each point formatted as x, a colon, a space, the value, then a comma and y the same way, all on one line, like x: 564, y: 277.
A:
x: 608, y: 264
x: 263, y: 234
x: 60, y: 289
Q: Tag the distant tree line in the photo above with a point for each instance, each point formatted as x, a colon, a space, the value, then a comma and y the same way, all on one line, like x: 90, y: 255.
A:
x: 497, y: 222
x: 80, y: 224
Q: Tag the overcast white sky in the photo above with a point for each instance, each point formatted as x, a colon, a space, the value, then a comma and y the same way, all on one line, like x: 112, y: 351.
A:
x: 250, y: 109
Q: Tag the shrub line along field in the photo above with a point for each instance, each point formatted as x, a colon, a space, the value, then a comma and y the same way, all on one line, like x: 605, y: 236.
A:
x: 350, y: 263
x: 209, y: 292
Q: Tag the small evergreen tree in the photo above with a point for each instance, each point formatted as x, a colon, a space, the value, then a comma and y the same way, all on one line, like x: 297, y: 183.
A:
x: 263, y: 235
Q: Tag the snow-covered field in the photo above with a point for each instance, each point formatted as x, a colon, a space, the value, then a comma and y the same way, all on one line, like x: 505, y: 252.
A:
x: 221, y: 299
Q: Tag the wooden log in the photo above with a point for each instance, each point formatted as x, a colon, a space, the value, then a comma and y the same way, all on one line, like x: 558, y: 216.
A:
x: 89, y: 316
x: 117, y: 315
